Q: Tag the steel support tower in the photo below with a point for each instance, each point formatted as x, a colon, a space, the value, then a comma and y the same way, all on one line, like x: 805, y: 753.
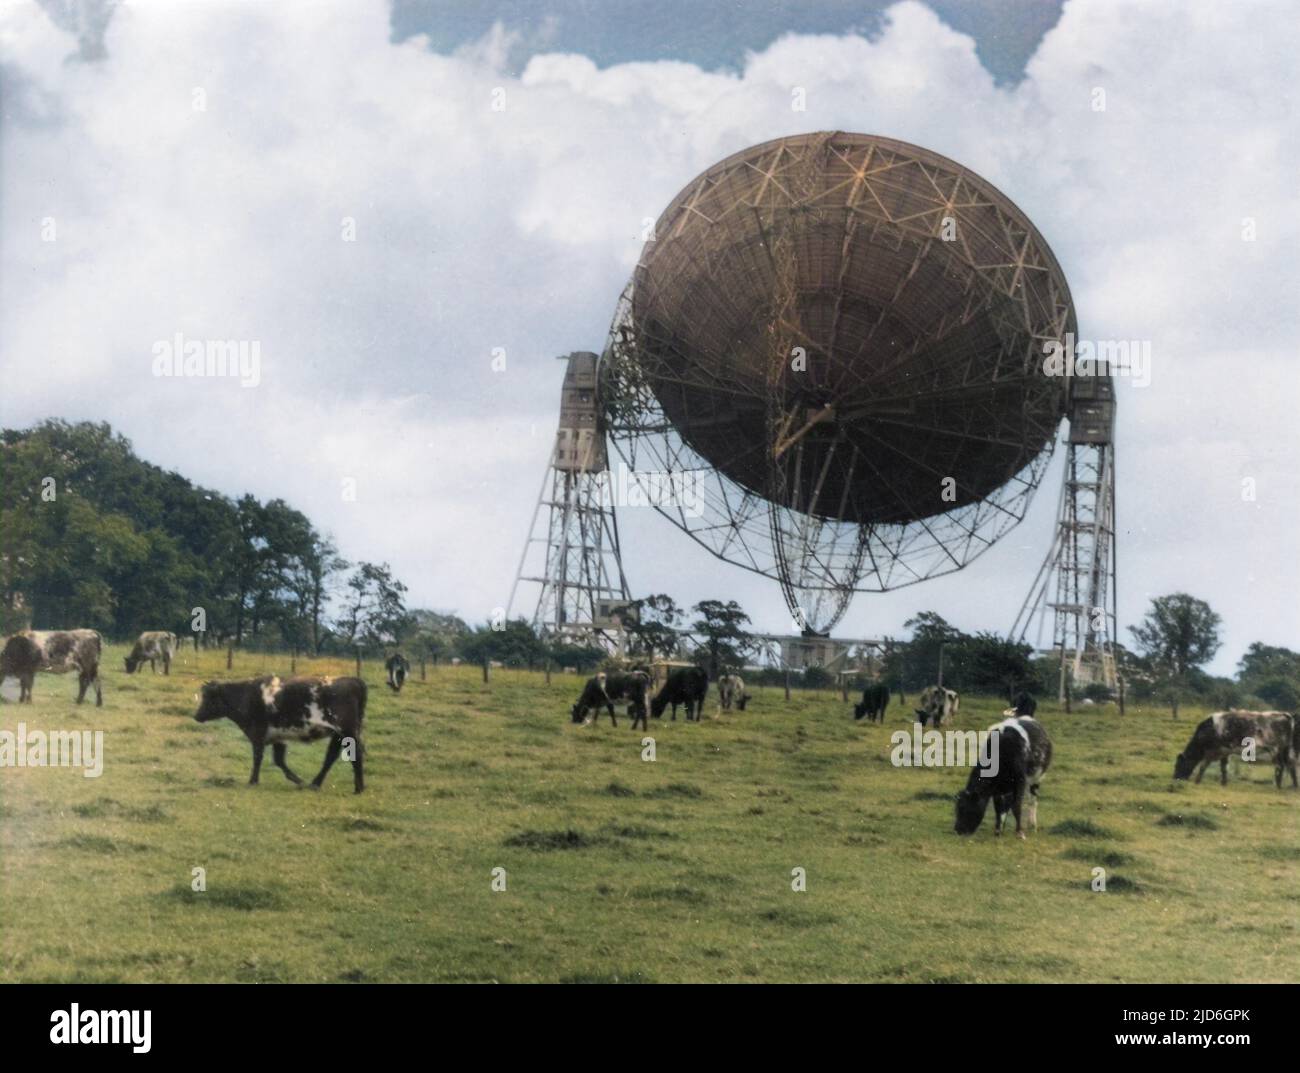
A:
x: 572, y: 557
x: 1075, y: 587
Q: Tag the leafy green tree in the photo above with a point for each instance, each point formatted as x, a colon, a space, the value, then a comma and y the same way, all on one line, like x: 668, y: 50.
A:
x: 373, y: 613
x: 725, y: 643
x: 1177, y: 635
x: 652, y: 631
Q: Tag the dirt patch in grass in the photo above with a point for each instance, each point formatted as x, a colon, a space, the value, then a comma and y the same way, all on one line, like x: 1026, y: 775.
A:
x: 85, y: 843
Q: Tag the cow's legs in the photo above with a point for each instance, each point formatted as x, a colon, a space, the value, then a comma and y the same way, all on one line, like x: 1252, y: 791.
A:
x: 358, y: 775
x: 278, y: 754
x: 83, y: 683
x: 1201, y: 770
x: 612, y: 717
x: 331, y: 754
x: 167, y: 664
x: 1033, y: 807
x: 25, y: 685
x: 258, y: 748
x: 99, y: 692
x: 1223, y: 771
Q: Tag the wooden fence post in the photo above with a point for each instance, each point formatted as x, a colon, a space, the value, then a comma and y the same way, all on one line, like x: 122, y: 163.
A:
x: 358, y: 661
x: 421, y: 668
x: 230, y: 655
x: 787, y: 683
x: 293, y: 661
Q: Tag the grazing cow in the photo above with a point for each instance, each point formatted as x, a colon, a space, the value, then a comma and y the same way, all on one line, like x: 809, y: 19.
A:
x: 731, y: 690
x: 1225, y: 733
x: 937, y: 705
x: 398, y: 668
x: 1024, y: 753
x: 72, y: 650
x: 153, y: 645
x: 875, y: 699
x: 21, y: 658
x: 684, y: 685
x: 1024, y: 704
x: 604, y: 688
x: 297, y: 709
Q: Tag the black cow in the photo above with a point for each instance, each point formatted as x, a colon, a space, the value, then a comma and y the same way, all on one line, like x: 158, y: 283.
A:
x: 875, y: 699
x: 1024, y: 704
x: 298, y: 709
x: 21, y: 659
x: 398, y: 668
x: 1023, y: 754
x: 604, y: 688
x: 1225, y: 733
x: 684, y: 685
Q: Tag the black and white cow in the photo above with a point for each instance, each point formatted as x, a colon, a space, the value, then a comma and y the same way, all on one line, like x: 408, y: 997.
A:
x: 1024, y: 704
x: 603, y: 689
x: 398, y: 668
x: 1225, y: 733
x: 21, y: 659
x: 153, y: 645
x: 875, y: 699
x: 1018, y: 759
x: 72, y: 650
x: 937, y: 705
x: 296, y: 709
x: 731, y: 690
x: 684, y: 685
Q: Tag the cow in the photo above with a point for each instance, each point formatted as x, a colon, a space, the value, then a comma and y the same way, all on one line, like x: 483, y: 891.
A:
x: 937, y: 705
x: 684, y: 685
x: 604, y: 688
x: 875, y: 699
x: 153, y: 645
x: 1024, y: 704
x: 731, y: 690
x: 1023, y: 755
x: 21, y: 659
x: 270, y: 709
x: 1224, y: 733
x: 398, y: 667
x: 72, y: 650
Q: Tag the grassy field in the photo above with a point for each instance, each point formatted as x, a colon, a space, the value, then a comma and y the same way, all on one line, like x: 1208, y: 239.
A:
x: 617, y: 868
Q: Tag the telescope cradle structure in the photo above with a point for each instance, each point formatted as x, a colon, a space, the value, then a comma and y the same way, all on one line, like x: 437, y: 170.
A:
x: 572, y: 553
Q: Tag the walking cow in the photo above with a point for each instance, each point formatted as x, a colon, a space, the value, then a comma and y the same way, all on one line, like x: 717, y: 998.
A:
x: 299, y: 709
x: 58, y: 652
x: 684, y: 685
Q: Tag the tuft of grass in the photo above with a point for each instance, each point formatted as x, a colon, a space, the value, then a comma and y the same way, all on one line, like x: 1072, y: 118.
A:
x: 1082, y: 829
x: 98, y: 844
x: 1097, y: 857
x: 617, y: 789
x: 1192, y: 821
x: 674, y: 789
x: 241, y: 898
x: 546, y: 841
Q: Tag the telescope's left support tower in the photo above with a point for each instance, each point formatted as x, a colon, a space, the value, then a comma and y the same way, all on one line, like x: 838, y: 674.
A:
x: 572, y: 558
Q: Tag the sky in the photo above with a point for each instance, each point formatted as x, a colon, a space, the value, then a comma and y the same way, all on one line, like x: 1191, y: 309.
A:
x: 333, y: 182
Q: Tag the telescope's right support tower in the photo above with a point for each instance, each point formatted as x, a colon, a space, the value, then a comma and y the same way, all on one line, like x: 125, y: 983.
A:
x: 1076, y: 584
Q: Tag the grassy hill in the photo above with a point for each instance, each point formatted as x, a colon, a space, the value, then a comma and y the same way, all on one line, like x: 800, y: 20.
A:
x: 618, y: 868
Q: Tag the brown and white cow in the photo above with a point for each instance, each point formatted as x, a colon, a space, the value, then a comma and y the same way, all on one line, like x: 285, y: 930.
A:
x: 153, y: 645
x: 62, y: 651
x: 276, y: 710
x: 937, y: 705
x: 1225, y: 733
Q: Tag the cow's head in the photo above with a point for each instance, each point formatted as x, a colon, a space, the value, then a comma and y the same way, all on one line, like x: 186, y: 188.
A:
x: 212, y: 703
x: 859, y: 710
x: 1183, y: 765
x: 131, y: 664
x: 577, y: 713
x: 971, y: 807
x: 744, y: 699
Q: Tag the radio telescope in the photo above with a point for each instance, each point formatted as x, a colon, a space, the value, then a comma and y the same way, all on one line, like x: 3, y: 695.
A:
x: 838, y: 340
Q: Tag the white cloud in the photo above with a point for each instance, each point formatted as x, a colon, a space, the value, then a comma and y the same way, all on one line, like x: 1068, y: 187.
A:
x: 477, y: 228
